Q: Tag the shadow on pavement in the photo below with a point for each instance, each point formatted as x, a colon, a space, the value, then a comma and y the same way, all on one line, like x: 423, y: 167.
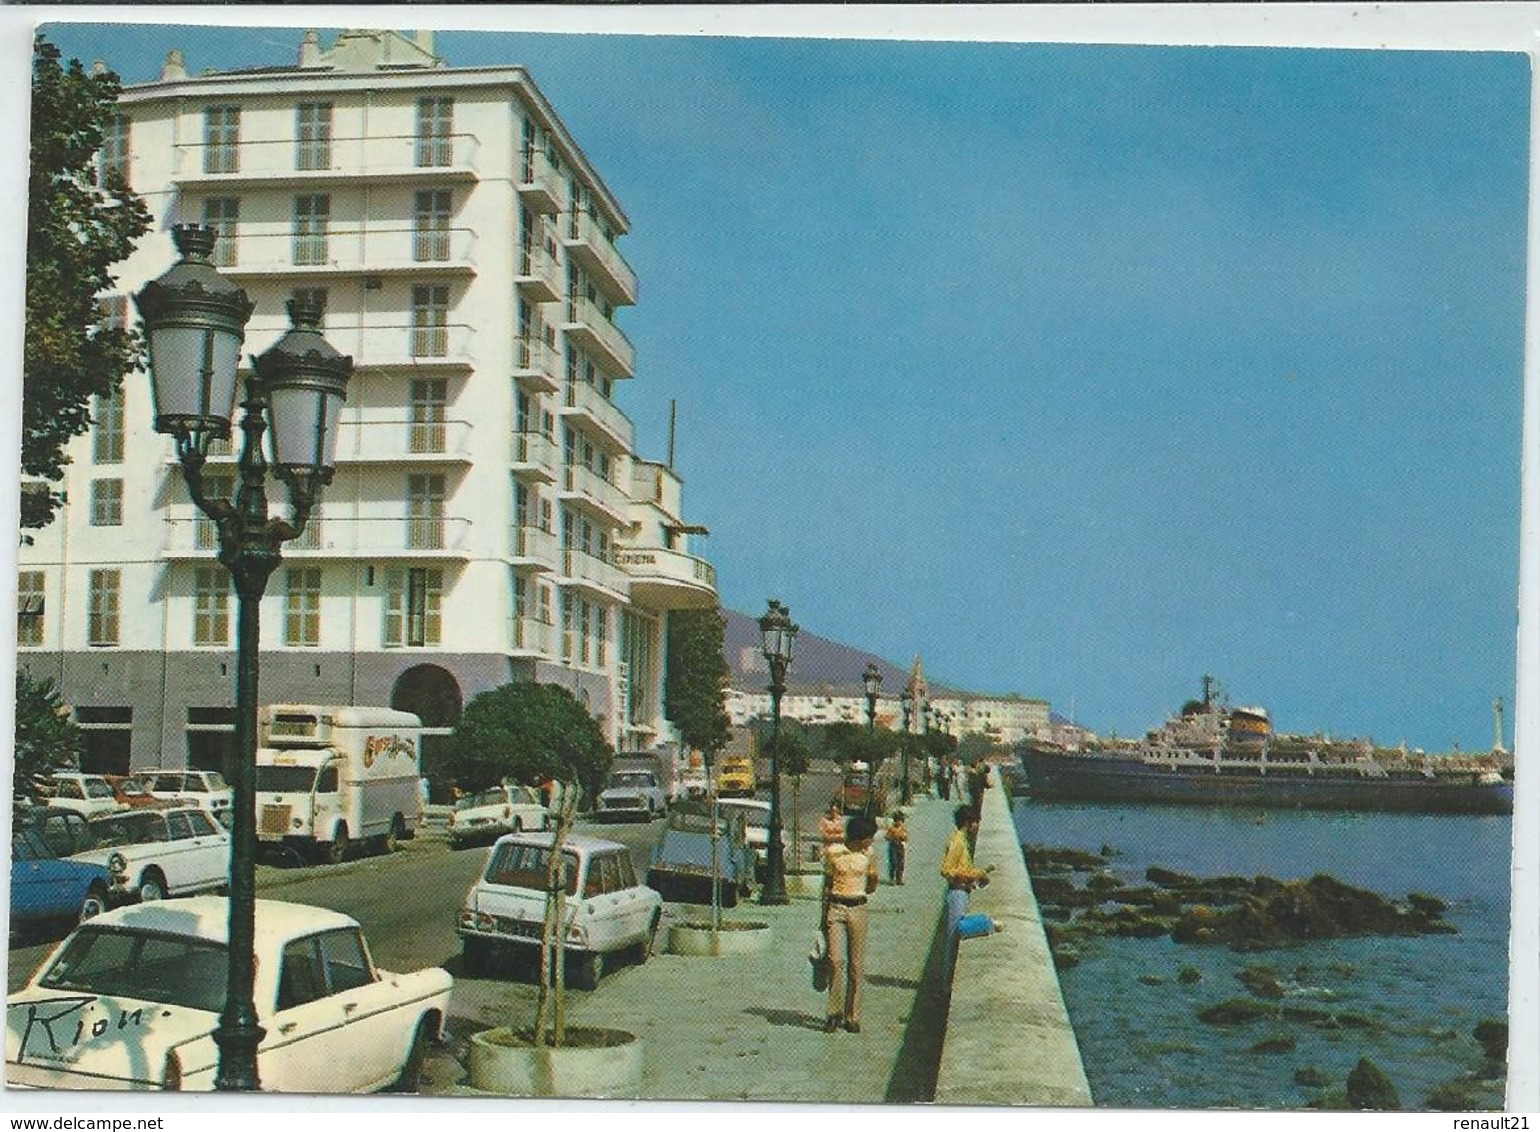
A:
x: 919, y: 1055
x: 787, y: 1018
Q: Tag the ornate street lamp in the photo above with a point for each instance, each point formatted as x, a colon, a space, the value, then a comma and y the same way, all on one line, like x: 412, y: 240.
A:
x: 906, y: 701
x: 872, y: 679
x: 778, y: 635
x: 195, y: 320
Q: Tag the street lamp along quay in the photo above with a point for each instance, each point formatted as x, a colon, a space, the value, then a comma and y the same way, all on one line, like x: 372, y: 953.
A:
x: 872, y: 679
x: 906, y: 701
x: 195, y: 321
x: 778, y: 635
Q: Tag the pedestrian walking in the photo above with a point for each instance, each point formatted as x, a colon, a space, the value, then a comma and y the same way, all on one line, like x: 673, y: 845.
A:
x: 944, y: 780
x: 898, y: 838
x: 831, y: 827
x: 962, y: 876
x: 978, y: 782
x: 849, y: 876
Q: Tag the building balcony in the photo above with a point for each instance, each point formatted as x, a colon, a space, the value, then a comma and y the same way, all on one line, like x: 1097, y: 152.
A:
x: 587, y: 404
x: 534, y: 457
x: 529, y: 636
x: 189, y: 536
x: 348, y: 251
x: 591, y: 572
x: 584, y: 322
x: 540, y: 185
x: 391, y: 158
x: 534, y: 549
x: 587, y: 242
x: 404, y: 441
x: 580, y: 485
x: 536, y: 365
x: 538, y: 275
x: 419, y: 348
x: 669, y: 579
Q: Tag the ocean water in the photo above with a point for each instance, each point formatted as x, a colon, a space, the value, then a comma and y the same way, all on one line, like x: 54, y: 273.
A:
x: 1141, y: 1041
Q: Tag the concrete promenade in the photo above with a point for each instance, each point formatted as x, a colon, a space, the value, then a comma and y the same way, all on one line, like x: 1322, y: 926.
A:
x: 750, y: 1027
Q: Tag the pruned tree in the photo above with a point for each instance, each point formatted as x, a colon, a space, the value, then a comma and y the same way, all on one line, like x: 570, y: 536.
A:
x: 82, y: 220
x: 696, y: 678
x: 46, y: 737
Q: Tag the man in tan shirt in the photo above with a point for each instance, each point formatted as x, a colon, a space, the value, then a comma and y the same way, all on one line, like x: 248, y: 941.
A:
x: 849, y: 876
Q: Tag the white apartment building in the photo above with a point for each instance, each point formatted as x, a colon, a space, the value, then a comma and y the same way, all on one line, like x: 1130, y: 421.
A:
x: 1004, y: 719
x: 489, y: 519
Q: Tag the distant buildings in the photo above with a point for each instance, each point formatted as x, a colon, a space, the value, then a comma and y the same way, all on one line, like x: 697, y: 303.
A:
x: 489, y: 520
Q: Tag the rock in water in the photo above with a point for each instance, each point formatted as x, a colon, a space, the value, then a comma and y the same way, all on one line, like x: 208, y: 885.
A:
x: 1311, y: 1078
x: 1369, y: 1088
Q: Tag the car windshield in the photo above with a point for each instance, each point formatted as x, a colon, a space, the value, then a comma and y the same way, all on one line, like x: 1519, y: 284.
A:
x: 128, y: 829
x: 28, y: 845
x: 161, y: 968
x: 133, y: 788
x: 752, y: 815
x: 285, y: 779
x: 167, y: 782
x: 519, y: 865
x: 634, y: 780
x: 97, y: 788
x: 214, y: 780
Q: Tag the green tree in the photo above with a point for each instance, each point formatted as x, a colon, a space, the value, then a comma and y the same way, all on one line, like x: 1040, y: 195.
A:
x: 794, y: 760
x: 79, y: 225
x: 696, y: 677
x: 974, y: 746
x: 46, y: 737
x: 529, y: 733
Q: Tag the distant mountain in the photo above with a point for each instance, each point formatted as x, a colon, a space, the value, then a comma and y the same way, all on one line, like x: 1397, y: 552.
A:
x: 817, y: 662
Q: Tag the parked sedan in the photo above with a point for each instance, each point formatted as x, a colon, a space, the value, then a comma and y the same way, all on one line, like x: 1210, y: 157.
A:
x: 130, y: 1000
x: 491, y: 813
x: 86, y: 794
x: 153, y: 854
x: 46, y: 889
x: 206, y: 788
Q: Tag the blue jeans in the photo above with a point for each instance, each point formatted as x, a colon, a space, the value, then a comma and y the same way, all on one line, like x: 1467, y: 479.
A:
x: 956, y: 909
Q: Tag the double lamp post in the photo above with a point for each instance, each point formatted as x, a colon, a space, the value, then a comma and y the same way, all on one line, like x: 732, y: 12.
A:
x: 778, y: 635
x: 195, y: 322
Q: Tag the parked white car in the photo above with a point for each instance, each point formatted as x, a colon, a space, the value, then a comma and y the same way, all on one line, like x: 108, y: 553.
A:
x: 86, y: 794
x: 756, y: 826
x: 131, y: 998
x: 491, y: 813
x: 631, y: 794
x: 206, y: 788
x: 153, y: 854
x: 608, y: 910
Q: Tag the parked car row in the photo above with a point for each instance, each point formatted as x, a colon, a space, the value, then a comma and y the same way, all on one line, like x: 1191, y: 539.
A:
x: 91, y: 795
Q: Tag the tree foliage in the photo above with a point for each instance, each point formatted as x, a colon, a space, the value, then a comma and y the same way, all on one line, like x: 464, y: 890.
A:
x: 973, y: 746
x: 696, y: 678
x: 529, y: 733
x: 77, y: 230
x: 46, y: 737
x: 790, y: 748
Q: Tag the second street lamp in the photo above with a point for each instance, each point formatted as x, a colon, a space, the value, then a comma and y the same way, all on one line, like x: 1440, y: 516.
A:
x: 906, y: 702
x: 778, y: 635
x: 194, y: 320
x: 872, y: 679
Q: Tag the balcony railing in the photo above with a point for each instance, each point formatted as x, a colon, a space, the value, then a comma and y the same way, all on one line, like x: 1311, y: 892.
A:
x: 344, y: 250
x: 585, y: 239
x: 403, y: 439
x: 345, y: 537
x: 658, y: 564
x: 534, y: 454
x: 590, y: 487
x: 593, y: 330
x: 415, y: 346
x: 530, y: 635
x: 538, y: 274
x: 589, y: 569
x: 583, y: 400
x: 539, y: 183
x: 533, y: 545
x: 385, y: 157
x: 536, y: 365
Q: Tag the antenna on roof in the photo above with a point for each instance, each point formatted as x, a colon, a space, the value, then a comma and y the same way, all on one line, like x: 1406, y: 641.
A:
x: 673, y: 418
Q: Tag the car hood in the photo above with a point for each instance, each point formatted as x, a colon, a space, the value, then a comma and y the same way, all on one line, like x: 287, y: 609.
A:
x: 82, y: 1040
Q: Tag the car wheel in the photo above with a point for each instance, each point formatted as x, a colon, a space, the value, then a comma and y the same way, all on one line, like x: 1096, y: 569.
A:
x: 94, y: 904
x: 410, y: 1080
x: 336, y: 851
x: 392, y: 840
x: 729, y: 894
x: 644, y: 948
x: 152, y: 886
x: 583, y: 970
x: 475, y: 955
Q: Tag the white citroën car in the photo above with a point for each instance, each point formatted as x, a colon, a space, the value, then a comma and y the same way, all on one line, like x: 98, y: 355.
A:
x: 131, y: 998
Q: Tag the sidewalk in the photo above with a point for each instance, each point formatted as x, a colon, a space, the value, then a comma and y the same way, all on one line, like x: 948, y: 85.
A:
x: 751, y: 1027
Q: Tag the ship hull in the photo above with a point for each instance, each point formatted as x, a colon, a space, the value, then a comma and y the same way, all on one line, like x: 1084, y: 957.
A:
x: 1128, y: 778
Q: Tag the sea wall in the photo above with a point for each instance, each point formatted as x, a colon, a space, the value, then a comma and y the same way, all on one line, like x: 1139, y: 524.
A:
x: 1008, y: 1036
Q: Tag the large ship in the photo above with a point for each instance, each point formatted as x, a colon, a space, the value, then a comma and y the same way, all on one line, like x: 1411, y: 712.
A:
x: 1213, y: 753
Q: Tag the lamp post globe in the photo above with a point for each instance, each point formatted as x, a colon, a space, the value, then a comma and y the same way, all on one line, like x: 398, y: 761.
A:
x: 778, y: 635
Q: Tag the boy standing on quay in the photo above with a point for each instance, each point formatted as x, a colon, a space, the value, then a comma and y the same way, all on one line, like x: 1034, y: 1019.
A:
x: 961, y: 874
x: 849, y: 876
x: 898, y: 837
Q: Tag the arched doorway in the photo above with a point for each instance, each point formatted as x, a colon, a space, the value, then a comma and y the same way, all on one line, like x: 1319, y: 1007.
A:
x: 433, y: 695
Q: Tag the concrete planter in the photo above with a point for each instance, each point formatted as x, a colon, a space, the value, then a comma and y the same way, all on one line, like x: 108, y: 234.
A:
x: 805, y: 885
x: 594, y: 1063
x: 735, y: 937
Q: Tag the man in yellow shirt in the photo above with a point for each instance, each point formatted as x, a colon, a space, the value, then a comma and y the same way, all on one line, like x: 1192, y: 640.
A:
x: 849, y: 876
x: 961, y: 874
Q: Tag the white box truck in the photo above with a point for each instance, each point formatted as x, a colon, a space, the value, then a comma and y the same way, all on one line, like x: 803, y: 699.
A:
x: 330, y: 778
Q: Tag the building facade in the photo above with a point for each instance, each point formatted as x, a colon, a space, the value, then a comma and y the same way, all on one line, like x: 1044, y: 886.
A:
x: 489, y: 519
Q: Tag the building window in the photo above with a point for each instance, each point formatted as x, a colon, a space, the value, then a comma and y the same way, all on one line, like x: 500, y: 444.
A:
x: 112, y: 158
x: 431, y: 225
x: 211, y: 606
x: 223, y: 214
x: 425, y: 511
x: 107, y: 434
x: 430, y: 321
x: 302, y: 606
x: 435, y: 120
x: 107, y: 503
x: 222, y: 139
x: 429, y: 398
x: 313, y: 135
x: 29, y: 607
x: 103, y: 600
x: 413, y: 609
x: 220, y: 485
x: 312, y: 214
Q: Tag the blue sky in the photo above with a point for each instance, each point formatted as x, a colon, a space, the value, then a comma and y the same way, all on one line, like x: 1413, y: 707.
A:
x: 1080, y: 370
